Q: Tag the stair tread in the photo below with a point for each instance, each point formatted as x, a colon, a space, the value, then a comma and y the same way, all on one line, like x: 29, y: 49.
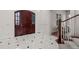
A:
x: 68, y: 45
x: 76, y: 41
x: 73, y: 45
x: 64, y: 46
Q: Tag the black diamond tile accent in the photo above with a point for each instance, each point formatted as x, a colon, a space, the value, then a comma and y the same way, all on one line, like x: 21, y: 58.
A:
x: 51, y: 43
x: 17, y: 44
x: 0, y: 42
x: 27, y: 46
x: 8, y: 43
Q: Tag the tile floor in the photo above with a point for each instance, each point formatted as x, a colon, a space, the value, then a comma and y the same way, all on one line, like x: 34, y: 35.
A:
x: 37, y: 41
x: 32, y: 41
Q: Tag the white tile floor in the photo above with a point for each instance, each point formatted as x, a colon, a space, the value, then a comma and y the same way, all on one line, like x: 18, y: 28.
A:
x: 37, y: 41
x: 32, y: 41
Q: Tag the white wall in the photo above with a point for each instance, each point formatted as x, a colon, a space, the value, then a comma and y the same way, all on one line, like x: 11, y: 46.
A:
x: 53, y: 20
x: 72, y: 23
x: 76, y: 25
x: 43, y: 22
x: 6, y: 24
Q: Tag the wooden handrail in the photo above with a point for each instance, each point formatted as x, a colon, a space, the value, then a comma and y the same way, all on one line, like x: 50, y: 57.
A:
x: 70, y: 18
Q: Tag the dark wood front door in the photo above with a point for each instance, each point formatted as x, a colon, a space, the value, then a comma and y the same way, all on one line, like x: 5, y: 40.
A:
x: 24, y: 22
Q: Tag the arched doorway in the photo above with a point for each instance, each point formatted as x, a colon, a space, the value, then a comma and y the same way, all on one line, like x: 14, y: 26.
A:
x: 24, y: 22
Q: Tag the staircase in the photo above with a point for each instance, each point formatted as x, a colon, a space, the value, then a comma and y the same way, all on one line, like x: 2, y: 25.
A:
x: 65, y: 40
x: 70, y: 44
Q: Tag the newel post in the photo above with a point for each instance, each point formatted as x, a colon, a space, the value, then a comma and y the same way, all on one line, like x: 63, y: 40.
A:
x: 59, y: 40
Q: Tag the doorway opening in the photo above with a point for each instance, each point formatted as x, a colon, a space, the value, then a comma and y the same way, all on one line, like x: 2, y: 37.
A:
x: 24, y: 22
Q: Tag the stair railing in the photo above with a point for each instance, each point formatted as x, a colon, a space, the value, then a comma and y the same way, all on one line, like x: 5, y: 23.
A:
x: 60, y: 39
